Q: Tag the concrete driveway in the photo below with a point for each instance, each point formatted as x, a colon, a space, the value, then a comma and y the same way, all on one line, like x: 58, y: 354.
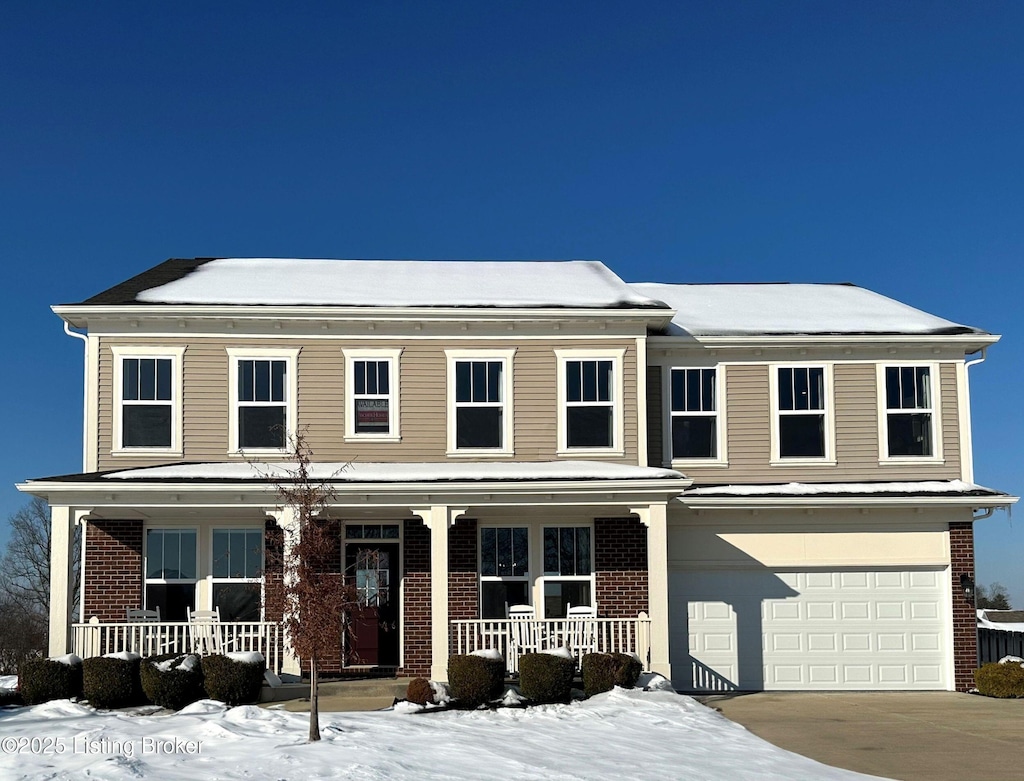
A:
x: 930, y: 736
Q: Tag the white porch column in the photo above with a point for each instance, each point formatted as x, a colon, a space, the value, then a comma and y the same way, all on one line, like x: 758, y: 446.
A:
x: 62, y: 541
x: 438, y: 518
x: 287, y: 518
x: 655, y: 518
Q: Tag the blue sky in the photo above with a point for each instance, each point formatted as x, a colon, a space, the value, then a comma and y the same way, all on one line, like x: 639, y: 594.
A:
x: 878, y: 143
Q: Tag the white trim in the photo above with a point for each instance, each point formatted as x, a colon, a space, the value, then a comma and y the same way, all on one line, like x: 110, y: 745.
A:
x: 881, y: 396
x: 291, y: 357
x: 505, y: 357
x: 175, y: 355
x: 642, y: 423
x: 721, y: 446
x: 92, y: 405
x: 828, y: 394
x: 617, y: 357
x: 393, y: 358
x: 963, y: 405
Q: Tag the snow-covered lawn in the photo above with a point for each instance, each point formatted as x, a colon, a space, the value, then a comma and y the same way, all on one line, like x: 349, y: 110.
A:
x: 624, y: 734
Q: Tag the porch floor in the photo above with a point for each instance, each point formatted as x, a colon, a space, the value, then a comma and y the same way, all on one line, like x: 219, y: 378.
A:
x: 337, y: 696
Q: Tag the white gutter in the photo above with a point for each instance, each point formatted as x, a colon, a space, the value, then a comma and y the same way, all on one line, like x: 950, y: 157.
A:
x: 807, y: 502
x: 967, y: 433
x: 85, y: 394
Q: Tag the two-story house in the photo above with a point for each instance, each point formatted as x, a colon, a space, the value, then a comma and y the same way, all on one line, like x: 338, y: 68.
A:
x: 752, y: 486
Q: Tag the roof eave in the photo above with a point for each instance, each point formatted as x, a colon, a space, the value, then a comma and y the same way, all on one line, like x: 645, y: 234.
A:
x: 848, y: 501
x: 970, y: 342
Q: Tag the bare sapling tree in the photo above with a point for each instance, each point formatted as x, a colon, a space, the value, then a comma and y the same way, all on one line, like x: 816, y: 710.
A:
x: 316, y: 597
x: 25, y: 581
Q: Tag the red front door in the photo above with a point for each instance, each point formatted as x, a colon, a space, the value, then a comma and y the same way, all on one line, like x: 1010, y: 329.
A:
x: 375, y: 624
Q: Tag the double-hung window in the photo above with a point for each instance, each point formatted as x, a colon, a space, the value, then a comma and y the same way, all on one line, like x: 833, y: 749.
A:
x: 504, y: 569
x: 170, y: 572
x: 693, y: 409
x: 909, y: 417
x: 263, y: 391
x: 371, y: 394
x: 590, y: 401
x: 568, y: 569
x: 480, y: 402
x: 236, y: 577
x: 147, y: 417
x: 803, y: 425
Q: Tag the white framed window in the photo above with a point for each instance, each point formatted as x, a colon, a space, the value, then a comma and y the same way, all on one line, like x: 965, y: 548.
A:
x: 504, y: 569
x: 147, y: 400
x: 909, y: 413
x: 695, y: 412
x: 236, y: 572
x: 169, y: 570
x: 372, y: 395
x: 802, y: 427
x: 262, y: 391
x: 590, y: 402
x: 480, y: 402
x: 568, y: 569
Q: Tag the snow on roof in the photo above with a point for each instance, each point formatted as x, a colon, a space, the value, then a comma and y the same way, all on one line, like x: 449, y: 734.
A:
x: 990, y: 619
x: 824, y: 489
x: 770, y: 309
x: 294, y: 282
x: 357, y: 472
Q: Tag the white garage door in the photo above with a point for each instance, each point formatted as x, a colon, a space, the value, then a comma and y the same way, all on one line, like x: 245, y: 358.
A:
x: 850, y: 629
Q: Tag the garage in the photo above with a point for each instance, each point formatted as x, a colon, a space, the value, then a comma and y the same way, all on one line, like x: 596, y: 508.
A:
x: 752, y: 629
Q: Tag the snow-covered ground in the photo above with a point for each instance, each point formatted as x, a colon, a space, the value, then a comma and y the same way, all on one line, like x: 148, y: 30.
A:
x: 624, y: 734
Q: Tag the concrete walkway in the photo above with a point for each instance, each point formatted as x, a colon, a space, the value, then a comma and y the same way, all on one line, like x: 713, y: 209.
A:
x: 931, y: 736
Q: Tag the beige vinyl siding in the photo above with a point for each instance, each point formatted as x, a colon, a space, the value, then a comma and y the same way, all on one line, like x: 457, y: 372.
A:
x: 321, y: 402
x: 856, y: 431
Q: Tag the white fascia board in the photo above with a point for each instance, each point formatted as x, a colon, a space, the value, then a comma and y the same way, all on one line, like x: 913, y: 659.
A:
x: 838, y: 502
x: 78, y: 315
x: 968, y: 342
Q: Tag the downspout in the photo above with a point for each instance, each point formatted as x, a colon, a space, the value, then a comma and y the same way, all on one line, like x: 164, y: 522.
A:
x: 85, y: 393
x: 967, y: 431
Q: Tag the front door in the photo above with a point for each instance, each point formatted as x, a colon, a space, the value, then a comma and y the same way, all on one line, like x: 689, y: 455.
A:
x: 375, y: 624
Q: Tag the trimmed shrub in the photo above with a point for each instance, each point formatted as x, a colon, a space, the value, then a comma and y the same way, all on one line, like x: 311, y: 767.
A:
x: 112, y: 682
x: 10, y: 697
x: 231, y: 681
x: 1000, y: 680
x: 474, y: 680
x: 601, y: 672
x: 176, y: 686
x: 546, y: 677
x: 420, y: 691
x: 42, y: 680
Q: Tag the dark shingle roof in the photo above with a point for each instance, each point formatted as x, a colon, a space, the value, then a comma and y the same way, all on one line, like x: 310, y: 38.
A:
x: 126, y: 292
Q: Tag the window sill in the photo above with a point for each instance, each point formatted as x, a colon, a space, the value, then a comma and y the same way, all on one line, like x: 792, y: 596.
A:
x: 691, y: 463
x: 802, y: 462
x: 480, y: 453
x: 911, y: 460
x: 369, y: 438
x: 590, y: 451
x: 260, y: 452
x: 145, y: 452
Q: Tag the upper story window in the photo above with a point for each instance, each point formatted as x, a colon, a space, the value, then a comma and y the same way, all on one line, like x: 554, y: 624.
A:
x: 371, y: 394
x: 480, y: 402
x: 693, y: 409
x: 802, y: 414
x: 590, y: 401
x: 908, y: 420
x: 263, y: 391
x: 148, y: 403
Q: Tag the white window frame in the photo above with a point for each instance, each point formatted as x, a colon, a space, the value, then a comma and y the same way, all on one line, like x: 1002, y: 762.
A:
x: 392, y: 357
x: 528, y: 578
x: 197, y: 598
x: 507, y: 448
x: 212, y: 580
x: 176, y: 356
x: 883, y: 414
x: 545, y: 576
x: 617, y: 357
x: 829, y: 458
x: 291, y: 357
x: 722, y: 457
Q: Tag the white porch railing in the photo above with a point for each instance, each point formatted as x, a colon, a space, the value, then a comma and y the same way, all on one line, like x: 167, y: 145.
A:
x: 166, y: 637
x: 605, y: 635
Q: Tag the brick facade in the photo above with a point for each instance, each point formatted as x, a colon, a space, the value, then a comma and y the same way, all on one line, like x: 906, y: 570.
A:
x: 463, y: 585
x: 620, y: 559
x: 113, y: 569
x: 416, y: 619
x: 965, y: 621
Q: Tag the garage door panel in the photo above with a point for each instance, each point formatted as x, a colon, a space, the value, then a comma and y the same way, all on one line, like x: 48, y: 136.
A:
x: 810, y: 630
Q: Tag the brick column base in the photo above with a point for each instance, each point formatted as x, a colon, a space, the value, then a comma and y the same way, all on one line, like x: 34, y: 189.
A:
x: 965, y: 619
